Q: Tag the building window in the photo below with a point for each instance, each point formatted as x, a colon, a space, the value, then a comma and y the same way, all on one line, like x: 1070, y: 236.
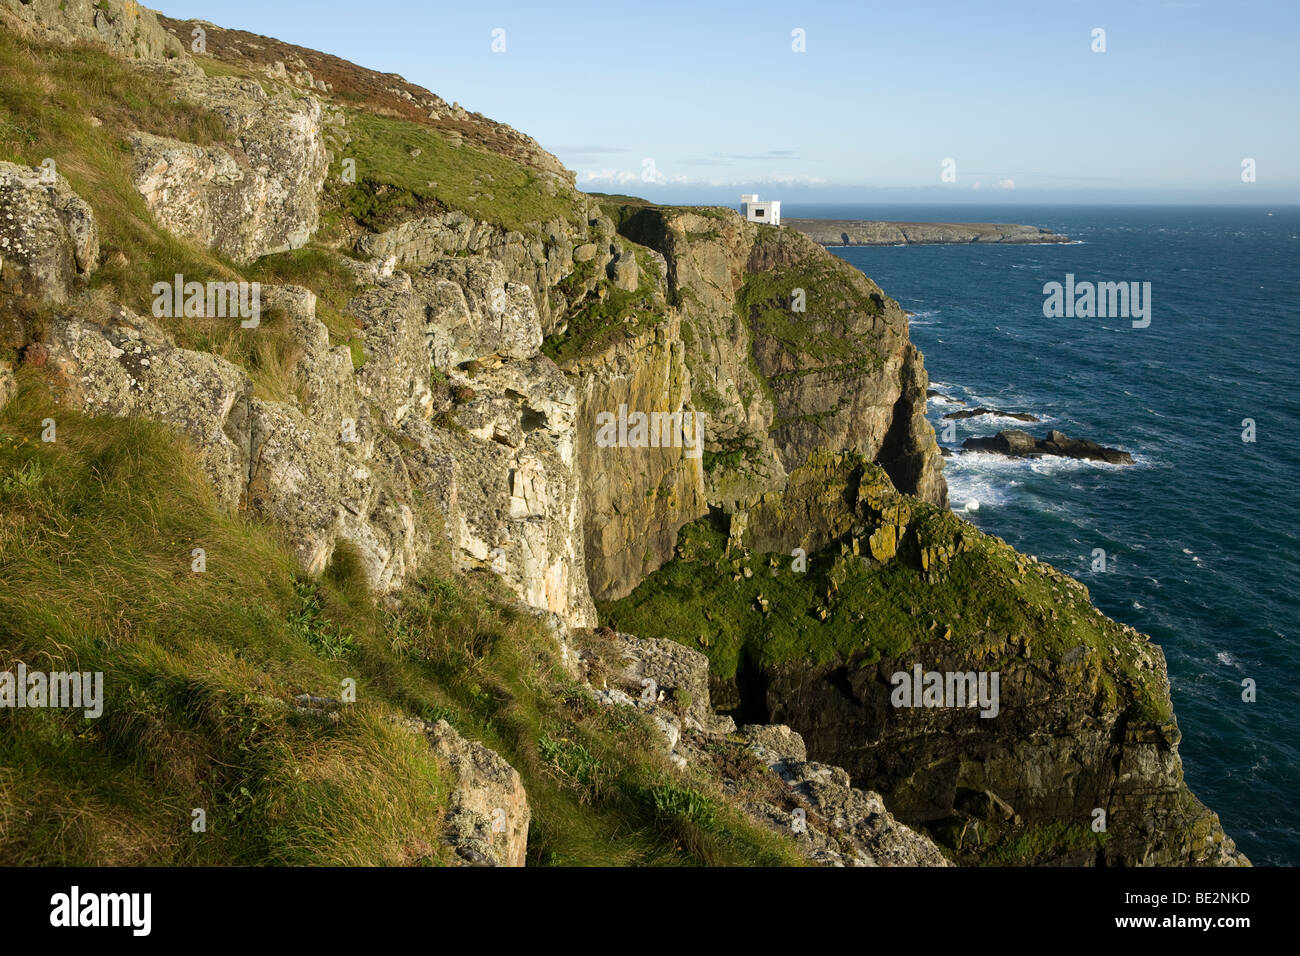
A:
x: 759, y: 211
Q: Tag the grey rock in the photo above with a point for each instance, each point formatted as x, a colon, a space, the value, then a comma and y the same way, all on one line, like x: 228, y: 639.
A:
x: 47, y: 233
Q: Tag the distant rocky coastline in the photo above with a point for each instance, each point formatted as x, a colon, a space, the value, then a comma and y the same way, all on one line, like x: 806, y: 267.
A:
x: 861, y: 232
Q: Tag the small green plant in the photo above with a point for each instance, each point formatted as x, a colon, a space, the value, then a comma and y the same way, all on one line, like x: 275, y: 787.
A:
x: 308, y: 623
x: 25, y: 478
x: 673, y: 803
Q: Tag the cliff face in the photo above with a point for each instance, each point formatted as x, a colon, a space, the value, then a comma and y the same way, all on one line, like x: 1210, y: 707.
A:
x: 1071, y: 759
x: 445, y: 330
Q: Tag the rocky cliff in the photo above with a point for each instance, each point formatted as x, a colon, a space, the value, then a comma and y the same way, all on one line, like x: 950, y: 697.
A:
x: 394, y: 335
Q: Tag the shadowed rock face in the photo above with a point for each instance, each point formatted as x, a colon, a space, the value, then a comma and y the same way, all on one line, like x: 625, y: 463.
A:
x: 1056, y: 751
x: 1018, y: 444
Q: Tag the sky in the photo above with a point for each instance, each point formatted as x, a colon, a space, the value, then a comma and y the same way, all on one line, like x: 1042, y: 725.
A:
x: 856, y: 100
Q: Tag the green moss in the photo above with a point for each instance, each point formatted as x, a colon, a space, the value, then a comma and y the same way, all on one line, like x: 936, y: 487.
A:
x: 1029, y: 846
x: 825, y: 332
x: 607, y: 315
x: 947, y: 581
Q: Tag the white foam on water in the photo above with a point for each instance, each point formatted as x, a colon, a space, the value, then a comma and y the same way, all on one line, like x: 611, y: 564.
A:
x: 1001, y: 422
x: 1225, y: 658
x: 943, y: 400
x: 982, y: 477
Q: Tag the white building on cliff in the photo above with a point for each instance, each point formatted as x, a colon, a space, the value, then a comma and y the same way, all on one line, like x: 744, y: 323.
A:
x: 754, y: 211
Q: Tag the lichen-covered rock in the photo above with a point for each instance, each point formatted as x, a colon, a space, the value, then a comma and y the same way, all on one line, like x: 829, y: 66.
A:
x: 47, y: 233
x: 123, y: 26
x: 623, y: 271
x: 8, y: 384
x: 832, y: 823
x: 256, y: 197
x: 503, y: 475
x: 487, y: 813
x: 864, y: 832
x: 130, y: 369
x: 320, y: 483
x: 536, y: 261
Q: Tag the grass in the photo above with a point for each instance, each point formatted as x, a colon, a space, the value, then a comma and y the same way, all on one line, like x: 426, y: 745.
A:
x: 321, y: 270
x: 47, y: 101
x: 96, y: 535
x: 392, y: 180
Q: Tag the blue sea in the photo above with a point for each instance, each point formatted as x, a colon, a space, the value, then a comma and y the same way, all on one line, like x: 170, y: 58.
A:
x: 1202, y: 536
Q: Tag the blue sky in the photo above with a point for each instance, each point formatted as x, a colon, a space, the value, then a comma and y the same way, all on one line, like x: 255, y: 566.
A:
x: 716, y: 97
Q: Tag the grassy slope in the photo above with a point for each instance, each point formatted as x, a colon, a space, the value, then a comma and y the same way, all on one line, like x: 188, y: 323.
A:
x: 402, y: 168
x: 48, y: 97
x: 96, y: 538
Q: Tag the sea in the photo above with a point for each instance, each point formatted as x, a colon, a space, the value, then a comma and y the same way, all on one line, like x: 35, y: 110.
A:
x: 1199, y: 541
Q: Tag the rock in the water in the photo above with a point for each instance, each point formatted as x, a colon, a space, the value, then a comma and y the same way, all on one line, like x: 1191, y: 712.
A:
x: 1019, y: 444
x: 976, y: 412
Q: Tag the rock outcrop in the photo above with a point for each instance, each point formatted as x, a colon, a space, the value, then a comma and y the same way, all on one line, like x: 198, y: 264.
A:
x: 1015, y: 443
x: 832, y: 823
x: 255, y: 196
x: 48, y: 237
x: 995, y: 412
x: 122, y: 26
x: 487, y: 817
x: 1080, y: 719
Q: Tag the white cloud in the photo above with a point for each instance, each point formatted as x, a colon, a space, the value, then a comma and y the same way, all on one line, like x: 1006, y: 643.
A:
x: 623, y: 177
x: 1006, y: 184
